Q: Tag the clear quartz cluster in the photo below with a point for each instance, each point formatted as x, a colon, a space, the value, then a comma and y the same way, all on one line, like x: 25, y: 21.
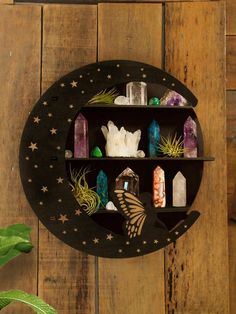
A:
x: 121, y: 143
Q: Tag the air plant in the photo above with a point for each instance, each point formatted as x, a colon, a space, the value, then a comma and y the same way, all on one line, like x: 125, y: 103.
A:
x: 88, y: 199
x: 105, y: 97
x: 171, y: 146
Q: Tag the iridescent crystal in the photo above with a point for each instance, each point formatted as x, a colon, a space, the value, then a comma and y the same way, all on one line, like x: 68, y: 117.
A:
x: 153, y: 139
x: 81, y: 144
x: 159, y: 194
x: 137, y: 93
x: 102, y: 188
x: 190, y: 138
x: 129, y: 181
x: 179, y: 190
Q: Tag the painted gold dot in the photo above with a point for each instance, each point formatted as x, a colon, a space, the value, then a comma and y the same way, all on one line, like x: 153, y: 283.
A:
x: 40, y: 203
x: 144, y: 75
x: 185, y: 226
x: 36, y: 166
x: 120, y: 251
x: 51, y: 166
x: 49, y: 114
x: 58, y: 147
x: 117, y: 65
x: 127, y: 243
x: 138, y: 251
x: 75, y: 229
x: 69, y: 120
x: 84, y: 242
x: 64, y: 232
x: 98, y: 70
x: 173, y: 84
x: 81, y: 76
x: 82, y: 92
x: 128, y: 75
x: 26, y: 158
x: 142, y: 69
x: 91, y: 81
x: 144, y: 242
x: 29, y: 180
x: 71, y: 106
x: 59, y: 200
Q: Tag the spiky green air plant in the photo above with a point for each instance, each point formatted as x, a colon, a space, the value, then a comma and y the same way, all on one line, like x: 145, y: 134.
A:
x: 105, y: 97
x: 88, y: 199
x: 171, y: 146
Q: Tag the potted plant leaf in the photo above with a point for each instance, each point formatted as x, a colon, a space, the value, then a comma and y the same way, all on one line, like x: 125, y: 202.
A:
x: 14, y: 240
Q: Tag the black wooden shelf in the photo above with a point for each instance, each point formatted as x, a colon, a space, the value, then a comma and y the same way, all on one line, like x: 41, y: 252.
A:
x: 157, y: 210
x: 142, y: 159
x: 142, y: 107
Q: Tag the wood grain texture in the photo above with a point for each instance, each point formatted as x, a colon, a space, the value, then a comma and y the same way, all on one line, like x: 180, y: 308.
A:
x: 127, y: 286
x: 6, y: 2
x: 230, y: 17
x: 197, y: 266
x: 19, y: 89
x: 232, y: 265
x: 66, y: 276
x: 231, y: 62
x: 126, y: 31
x: 231, y: 151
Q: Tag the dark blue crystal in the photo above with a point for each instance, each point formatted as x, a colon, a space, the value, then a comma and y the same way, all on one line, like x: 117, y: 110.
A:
x: 153, y: 139
x: 102, y: 188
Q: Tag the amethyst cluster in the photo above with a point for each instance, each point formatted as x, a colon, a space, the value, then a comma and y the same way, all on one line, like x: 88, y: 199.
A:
x: 172, y: 98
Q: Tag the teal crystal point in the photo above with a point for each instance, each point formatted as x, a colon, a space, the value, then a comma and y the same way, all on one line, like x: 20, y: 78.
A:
x: 153, y: 138
x: 102, y: 187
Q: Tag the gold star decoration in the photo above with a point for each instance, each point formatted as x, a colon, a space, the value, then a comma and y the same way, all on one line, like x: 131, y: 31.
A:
x: 78, y: 212
x: 109, y: 76
x: 109, y: 237
x: 33, y: 146
x: 176, y: 232
x: 144, y: 75
x: 138, y: 250
x: 45, y: 103
x: 144, y: 242
x: 63, y: 218
x: 49, y: 114
x: 168, y: 240
x: 60, y: 180
x: 37, y: 120
x: 127, y: 243
x: 73, y: 84
x: 44, y: 189
x: 156, y: 241
x: 62, y: 85
x: 53, y: 131
x: 120, y: 251
x: 96, y: 241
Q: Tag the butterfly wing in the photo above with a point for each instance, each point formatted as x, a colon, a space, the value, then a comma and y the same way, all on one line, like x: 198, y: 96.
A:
x: 133, y: 211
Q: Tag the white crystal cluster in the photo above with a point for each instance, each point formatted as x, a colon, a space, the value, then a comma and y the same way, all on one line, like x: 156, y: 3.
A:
x: 121, y: 143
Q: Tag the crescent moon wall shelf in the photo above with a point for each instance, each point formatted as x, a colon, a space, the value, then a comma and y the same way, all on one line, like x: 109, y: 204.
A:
x: 45, y: 171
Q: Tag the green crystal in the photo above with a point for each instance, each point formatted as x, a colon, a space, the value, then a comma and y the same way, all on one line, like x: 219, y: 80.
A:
x: 154, y: 101
x: 96, y: 152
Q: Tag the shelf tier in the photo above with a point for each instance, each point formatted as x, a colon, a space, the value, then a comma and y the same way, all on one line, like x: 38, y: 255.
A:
x: 207, y: 158
x: 157, y: 210
x: 143, y: 107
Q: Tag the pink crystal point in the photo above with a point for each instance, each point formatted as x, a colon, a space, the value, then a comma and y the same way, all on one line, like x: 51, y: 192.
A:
x: 159, y: 194
x: 190, y: 138
x: 81, y: 144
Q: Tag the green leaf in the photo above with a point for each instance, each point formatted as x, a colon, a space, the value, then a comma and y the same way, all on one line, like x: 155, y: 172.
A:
x: 13, y: 241
x: 38, y: 305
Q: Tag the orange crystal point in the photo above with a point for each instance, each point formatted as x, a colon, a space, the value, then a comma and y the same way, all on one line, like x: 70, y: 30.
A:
x: 159, y: 194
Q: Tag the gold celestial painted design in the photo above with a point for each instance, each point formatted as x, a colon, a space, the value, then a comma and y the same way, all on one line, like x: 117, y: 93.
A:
x: 64, y: 232
x: 75, y: 230
x: 109, y: 237
x: 53, y: 131
x: 84, y: 242
x: 144, y: 75
x: 49, y: 114
x: 176, y: 232
x: 27, y: 158
x: 120, y: 250
x: 62, y: 85
x: 185, y: 226
x: 33, y: 146
x: 37, y: 119
x: 69, y: 120
x: 168, y: 239
x: 60, y: 180
x: 36, y: 166
x: 58, y: 147
x: 78, y: 212
x: 29, y: 180
x: 155, y: 241
x: 74, y: 84
x: 63, y: 218
x: 95, y: 240
x: 138, y: 250
x: 128, y: 75
x: 81, y: 76
x: 59, y: 200
x: 41, y: 203
x: 144, y: 242
x: 45, y: 103
x: 71, y: 106
x: 44, y: 189
x: 109, y: 76
x: 127, y: 243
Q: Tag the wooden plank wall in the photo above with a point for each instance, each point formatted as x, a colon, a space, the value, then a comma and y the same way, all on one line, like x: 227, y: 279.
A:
x: 43, y: 42
x: 231, y: 143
